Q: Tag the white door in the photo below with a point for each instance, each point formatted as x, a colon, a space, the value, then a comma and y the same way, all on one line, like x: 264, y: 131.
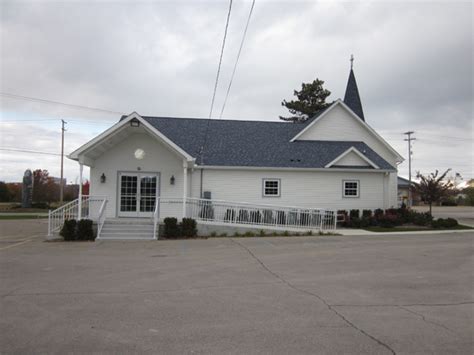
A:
x: 137, y: 194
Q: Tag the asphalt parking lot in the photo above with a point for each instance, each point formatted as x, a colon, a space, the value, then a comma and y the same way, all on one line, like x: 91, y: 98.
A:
x: 330, y: 294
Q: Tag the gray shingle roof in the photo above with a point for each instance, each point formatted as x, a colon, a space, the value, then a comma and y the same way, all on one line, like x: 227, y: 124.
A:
x: 352, y: 97
x: 254, y: 143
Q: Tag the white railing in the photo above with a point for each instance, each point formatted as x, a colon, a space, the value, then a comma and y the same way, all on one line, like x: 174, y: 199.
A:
x: 101, y: 218
x: 156, y: 217
x: 236, y: 213
x: 92, y: 207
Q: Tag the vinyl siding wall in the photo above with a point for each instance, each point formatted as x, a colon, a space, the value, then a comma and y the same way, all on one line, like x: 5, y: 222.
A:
x: 338, y: 125
x: 120, y: 158
x: 298, y: 188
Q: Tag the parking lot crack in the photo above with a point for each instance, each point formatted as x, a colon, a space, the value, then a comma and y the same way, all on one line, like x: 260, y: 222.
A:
x: 314, y: 295
x: 426, y: 320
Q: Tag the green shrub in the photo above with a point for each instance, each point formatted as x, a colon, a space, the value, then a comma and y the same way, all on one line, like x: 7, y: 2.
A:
x: 305, y: 219
x: 378, y: 213
x: 281, y: 217
x: 213, y: 234
x: 364, y: 222
x: 268, y: 216
x: 243, y: 216
x: 171, y: 229
x: 422, y: 219
x: 206, y: 211
x: 223, y: 235
x: 388, y: 220
x: 229, y: 215
x: 249, y: 234
x: 354, y: 214
x: 85, y: 230
x: 441, y: 223
x: 286, y: 233
x: 68, y: 231
x: 188, y: 228
x: 255, y: 216
x: 366, y: 213
x: 261, y: 233
x: 451, y: 223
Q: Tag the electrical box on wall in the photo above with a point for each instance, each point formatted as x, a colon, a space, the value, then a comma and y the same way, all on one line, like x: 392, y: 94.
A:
x: 207, y: 195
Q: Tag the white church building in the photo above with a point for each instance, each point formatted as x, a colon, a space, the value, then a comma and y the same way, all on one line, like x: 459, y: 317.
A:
x: 147, y: 167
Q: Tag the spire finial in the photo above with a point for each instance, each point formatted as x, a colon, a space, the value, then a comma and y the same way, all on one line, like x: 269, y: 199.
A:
x: 352, y: 60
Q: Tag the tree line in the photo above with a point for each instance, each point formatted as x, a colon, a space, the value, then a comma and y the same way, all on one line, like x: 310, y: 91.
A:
x: 46, y: 189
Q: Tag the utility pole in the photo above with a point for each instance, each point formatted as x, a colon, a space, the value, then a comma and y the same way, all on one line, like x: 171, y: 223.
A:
x: 61, y: 183
x: 409, y: 139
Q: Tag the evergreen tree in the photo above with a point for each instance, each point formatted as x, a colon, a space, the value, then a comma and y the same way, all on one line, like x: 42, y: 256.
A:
x: 311, y: 99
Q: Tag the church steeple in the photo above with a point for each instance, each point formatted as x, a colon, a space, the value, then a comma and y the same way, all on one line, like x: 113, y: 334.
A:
x: 352, y: 97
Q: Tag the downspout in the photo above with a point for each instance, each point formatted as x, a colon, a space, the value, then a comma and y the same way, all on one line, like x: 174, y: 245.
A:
x: 200, y: 182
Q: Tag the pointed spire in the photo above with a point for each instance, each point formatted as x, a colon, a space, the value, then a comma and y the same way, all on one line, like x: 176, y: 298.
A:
x: 352, y: 97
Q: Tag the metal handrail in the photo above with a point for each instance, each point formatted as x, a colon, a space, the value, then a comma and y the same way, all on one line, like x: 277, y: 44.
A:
x: 101, y: 219
x: 70, y: 210
x: 156, y: 216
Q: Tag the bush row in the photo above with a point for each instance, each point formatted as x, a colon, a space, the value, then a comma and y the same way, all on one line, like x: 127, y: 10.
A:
x: 77, y: 230
x: 186, y: 228
x: 391, y: 217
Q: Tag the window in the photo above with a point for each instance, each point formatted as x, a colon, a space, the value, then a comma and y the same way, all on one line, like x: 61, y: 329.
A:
x: 271, y: 187
x: 350, y: 188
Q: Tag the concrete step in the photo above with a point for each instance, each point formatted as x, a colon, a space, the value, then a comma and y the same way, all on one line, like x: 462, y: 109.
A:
x: 115, y: 227
x: 127, y: 229
x: 129, y: 221
x: 126, y: 237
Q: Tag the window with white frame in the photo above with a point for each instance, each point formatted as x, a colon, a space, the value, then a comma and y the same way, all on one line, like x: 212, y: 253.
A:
x: 350, y: 188
x: 271, y: 187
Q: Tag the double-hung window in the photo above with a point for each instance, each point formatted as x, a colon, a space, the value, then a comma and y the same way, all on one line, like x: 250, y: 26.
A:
x: 350, y: 188
x: 271, y: 187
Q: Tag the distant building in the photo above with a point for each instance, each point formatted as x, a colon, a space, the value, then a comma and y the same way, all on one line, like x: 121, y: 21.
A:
x: 403, y: 185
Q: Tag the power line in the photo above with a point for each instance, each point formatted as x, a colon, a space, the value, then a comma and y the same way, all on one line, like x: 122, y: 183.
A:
x: 237, y: 59
x: 201, y: 152
x: 35, y: 120
x: 29, y: 151
x: 35, y: 99
x: 220, y: 58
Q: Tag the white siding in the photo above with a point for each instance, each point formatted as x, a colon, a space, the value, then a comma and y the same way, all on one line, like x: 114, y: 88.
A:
x: 120, y: 158
x: 351, y: 159
x: 339, y: 125
x: 298, y: 188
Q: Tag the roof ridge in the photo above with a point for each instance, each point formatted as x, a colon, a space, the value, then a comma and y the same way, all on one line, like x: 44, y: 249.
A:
x: 217, y: 119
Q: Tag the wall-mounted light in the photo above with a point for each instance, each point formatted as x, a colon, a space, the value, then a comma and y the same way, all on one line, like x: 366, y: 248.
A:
x: 172, y: 179
x: 103, y: 178
x: 135, y: 123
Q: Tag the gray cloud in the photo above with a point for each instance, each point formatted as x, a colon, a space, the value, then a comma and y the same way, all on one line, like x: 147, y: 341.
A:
x: 413, y: 64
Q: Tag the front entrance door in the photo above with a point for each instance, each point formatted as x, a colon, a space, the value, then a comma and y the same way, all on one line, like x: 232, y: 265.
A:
x: 137, y: 194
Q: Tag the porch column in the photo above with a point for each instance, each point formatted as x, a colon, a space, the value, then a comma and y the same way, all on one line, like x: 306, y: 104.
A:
x: 185, y: 186
x: 79, y: 206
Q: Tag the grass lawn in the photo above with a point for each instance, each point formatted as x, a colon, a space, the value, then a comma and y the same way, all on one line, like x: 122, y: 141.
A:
x: 413, y: 229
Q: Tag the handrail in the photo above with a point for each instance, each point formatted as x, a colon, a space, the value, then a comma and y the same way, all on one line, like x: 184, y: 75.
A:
x: 70, y: 210
x: 101, y: 219
x: 243, y: 213
x: 156, y: 217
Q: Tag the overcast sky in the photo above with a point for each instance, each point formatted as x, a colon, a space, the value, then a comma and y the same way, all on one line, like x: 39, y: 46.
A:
x: 413, y: 64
